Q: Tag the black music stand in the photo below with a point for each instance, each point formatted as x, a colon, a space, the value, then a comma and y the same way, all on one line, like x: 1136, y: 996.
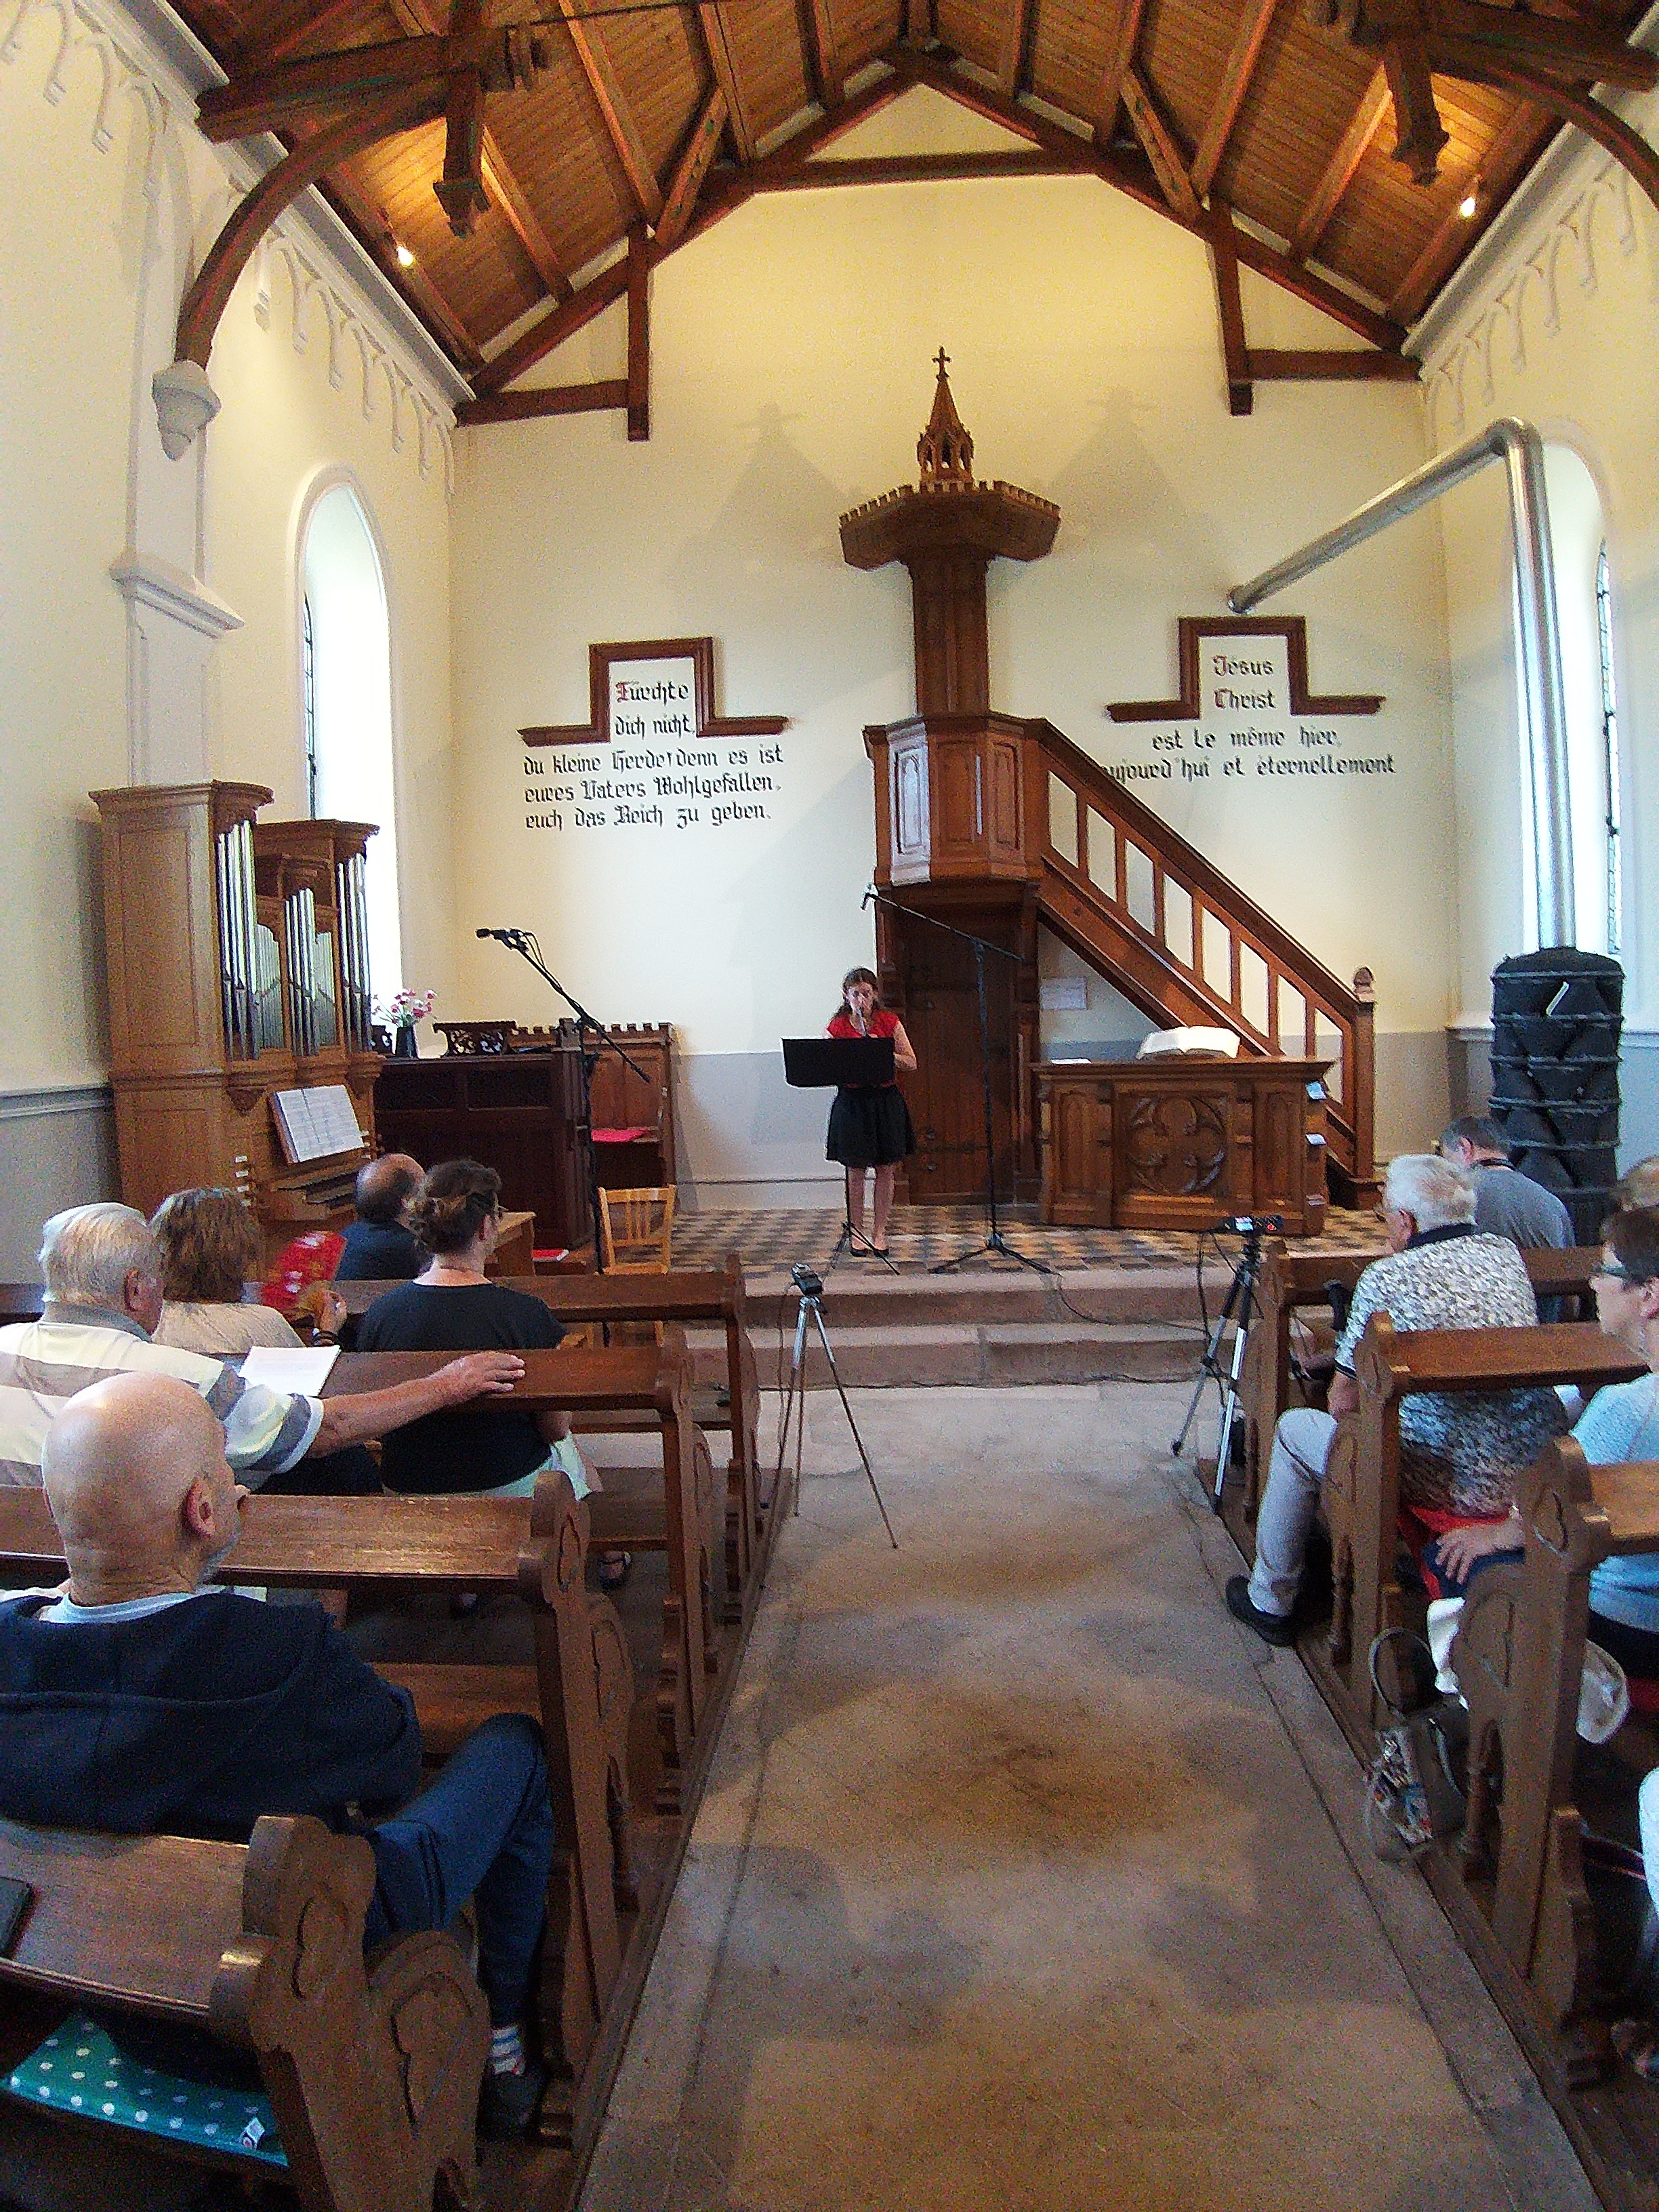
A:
x: 842, y: 1064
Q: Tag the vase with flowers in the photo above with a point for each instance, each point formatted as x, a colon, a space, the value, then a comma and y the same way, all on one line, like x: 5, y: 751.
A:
x: 398, y: 1014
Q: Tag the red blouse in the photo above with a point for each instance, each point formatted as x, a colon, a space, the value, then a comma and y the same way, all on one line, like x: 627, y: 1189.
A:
x: 882, y: 1024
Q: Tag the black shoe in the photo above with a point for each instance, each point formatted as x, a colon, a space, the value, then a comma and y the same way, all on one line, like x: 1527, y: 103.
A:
x: 508, y: 2107
x: 1275, y: 1628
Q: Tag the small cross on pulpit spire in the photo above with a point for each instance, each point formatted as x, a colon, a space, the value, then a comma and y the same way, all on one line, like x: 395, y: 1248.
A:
x: 944, y: 448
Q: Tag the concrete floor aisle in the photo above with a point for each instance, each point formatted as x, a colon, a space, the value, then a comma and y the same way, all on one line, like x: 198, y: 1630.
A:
x: 1026, y: 1880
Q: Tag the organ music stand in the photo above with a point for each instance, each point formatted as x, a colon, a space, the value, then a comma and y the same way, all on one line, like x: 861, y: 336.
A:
x: 836, y: 1064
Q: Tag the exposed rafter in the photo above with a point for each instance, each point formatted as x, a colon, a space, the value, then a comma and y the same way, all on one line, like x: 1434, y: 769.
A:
x: 712, y: 21
x: 1120, y: 59
x: 920, y: 169
x: 824, y: 72
x: 1348, y: 153
x: 598, y: 399
x: 1235, y: 353
x: 692, y: 167
x: 1247, y: 39
x: 639, y: 334
x: 1012, y: 56
x: 1507, y: 156
x: 621, y: 133
x: 412, y: 282
x: 1157, y: 143
x: 1327, y: 365
x: 276, y: 30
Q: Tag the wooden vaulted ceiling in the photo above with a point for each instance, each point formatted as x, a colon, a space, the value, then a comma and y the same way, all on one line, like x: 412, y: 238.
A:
x: 655, y: 119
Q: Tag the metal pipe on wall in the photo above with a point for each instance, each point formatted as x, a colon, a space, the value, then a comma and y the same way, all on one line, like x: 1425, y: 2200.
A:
x: 1521, y: 449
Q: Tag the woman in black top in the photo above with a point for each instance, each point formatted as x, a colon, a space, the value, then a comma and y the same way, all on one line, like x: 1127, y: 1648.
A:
x: 451, y: 1306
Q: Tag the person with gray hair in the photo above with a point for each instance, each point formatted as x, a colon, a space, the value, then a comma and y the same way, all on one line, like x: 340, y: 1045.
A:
x: 1506, y: 1202
x: 1458, y: 1454
x: 104, y: 1295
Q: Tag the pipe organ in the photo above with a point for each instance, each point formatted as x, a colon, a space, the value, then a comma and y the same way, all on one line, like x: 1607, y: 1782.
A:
x: 237, y: 960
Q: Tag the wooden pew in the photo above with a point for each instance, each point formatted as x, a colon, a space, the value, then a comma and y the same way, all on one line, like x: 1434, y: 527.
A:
x: 711, y: 1297
x: 581, y: 1688
x: 1519, y: 1653
x: 653, y: 1380
x: 373, y: 2074
x: 1293, y: 1282
x: 1361, y: 1492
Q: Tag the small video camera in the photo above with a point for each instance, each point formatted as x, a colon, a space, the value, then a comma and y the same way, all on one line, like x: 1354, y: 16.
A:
x: 809, y: 1284
x: 1252, y: 1224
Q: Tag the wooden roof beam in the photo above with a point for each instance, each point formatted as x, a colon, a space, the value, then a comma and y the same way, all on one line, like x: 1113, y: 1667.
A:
x: 269, y: 33
x: 1253, y: 27
x: 1129, y: 174
x: 595, y: 399
x: 712, y: 21
x: 638, y: 335
x: 920, y: 22
x: 620, y: 127
x: 1340, y: 171
x: 692, y: 167
x: 415, y: 285
x: 610, y: 284
x: 1451, y: 238
x: 920, y: 169
x: 1125, y: 34
x: 1330, y: 365
x: 1157, y: 143
x: 1235, y: 353
x: 1013, y: 56
x: 822, y: 53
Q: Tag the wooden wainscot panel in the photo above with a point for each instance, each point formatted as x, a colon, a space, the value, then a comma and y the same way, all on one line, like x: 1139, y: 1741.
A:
x: 1005, y: 830
x: 912, y: 814
x: 1178, y: 1143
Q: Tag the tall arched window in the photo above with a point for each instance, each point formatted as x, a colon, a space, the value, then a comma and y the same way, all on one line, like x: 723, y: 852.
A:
x: 347, y: 696
x: 1583, y: 604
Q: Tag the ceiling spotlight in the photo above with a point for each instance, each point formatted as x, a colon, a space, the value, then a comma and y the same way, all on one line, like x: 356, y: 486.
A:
x: 1469, y: 206
x: 406, y: 259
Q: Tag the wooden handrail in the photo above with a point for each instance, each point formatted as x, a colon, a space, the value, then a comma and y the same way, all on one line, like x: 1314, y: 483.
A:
x: 1347, y: 1009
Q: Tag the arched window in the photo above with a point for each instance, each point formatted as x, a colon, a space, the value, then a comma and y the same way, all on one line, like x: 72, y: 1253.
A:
x: 1579, y: 550
x: 346, y: 677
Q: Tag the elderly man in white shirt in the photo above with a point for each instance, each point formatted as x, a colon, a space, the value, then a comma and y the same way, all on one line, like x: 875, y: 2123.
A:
x: 103, y: 1279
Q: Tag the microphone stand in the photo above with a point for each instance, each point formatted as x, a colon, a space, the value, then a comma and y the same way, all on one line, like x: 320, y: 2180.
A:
x: 993, y: 1240
x: 524, y: 943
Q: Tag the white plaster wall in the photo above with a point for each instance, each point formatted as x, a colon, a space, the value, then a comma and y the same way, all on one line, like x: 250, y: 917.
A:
x: 110, y: 199
x: 1559, y: 328
x: 790, y: 377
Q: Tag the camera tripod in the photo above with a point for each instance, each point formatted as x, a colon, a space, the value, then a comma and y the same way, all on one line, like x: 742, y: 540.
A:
x: 810, y: 1289
x: 1237, y: 1306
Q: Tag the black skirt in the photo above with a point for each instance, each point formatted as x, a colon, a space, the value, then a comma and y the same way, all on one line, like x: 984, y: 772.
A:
x: 870, y: 1128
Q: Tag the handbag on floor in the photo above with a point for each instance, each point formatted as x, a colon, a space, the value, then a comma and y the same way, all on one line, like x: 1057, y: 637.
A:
x: 1413, y: 1792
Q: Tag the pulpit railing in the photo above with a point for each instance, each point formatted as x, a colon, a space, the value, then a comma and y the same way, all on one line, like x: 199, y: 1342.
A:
x: 1184, y: 943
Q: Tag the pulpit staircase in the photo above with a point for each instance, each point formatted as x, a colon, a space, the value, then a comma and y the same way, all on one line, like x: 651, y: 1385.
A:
x: 991, y: 802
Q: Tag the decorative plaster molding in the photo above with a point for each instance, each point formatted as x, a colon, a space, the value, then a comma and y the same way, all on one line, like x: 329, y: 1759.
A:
x: 144, y: 581
x: 128, y: 62
x: 1561, y: 248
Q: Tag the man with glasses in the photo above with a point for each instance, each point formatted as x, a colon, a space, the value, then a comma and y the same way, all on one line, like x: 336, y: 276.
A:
x: 1506, y: 1202
x: 1459, y: 1452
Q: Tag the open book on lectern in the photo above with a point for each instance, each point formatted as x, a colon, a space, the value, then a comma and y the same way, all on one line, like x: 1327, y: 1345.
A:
x: 824, y: 1063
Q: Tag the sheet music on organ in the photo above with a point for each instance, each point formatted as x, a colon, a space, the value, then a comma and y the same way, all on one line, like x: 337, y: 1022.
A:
x: 316, y: 1123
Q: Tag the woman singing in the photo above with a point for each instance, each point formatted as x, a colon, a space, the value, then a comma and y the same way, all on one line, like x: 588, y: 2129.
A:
x: 869, y: 1124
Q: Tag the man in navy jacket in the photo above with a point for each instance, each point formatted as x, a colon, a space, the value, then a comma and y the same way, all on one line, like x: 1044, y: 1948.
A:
x: 140, y: 1698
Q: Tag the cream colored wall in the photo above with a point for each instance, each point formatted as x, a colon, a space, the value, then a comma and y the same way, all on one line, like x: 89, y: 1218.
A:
x: 1559, y: 329
x: 790, y: 377
x: 110, y: 198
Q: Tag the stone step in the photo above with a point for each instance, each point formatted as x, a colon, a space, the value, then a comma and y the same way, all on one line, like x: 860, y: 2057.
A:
x: 962, y: 1352
x: 859, y: 1295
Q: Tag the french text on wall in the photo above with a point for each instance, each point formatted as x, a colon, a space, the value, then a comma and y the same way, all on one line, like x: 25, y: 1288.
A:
x: 1244, y: 710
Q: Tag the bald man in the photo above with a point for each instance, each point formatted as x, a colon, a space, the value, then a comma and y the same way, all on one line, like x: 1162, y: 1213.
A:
x: 379, y: 1248
x: 140, y: 1698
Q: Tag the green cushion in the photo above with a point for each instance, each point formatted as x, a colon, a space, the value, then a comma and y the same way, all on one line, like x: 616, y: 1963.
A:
x: 78, y: 2070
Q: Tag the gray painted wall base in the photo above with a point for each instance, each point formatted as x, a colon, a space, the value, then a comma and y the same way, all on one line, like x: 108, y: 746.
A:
x: 57, y: 1149
x: 1468, y: 1057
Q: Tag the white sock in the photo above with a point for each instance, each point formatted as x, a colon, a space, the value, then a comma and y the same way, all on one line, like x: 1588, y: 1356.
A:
x: 507, y: 2049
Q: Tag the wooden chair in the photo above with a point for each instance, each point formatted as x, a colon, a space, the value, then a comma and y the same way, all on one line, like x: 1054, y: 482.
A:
x: 638, y: 1227
x: 373, y: 2073
x: 1361, y: 1491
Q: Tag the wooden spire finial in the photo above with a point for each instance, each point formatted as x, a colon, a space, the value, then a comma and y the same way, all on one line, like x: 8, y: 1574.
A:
x: 944, y: 449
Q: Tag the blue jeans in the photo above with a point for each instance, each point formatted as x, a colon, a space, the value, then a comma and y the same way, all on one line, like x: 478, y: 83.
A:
x: 483, y: 1829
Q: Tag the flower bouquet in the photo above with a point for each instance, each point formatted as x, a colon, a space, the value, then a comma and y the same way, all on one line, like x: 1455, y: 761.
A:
x: 400, y: 1014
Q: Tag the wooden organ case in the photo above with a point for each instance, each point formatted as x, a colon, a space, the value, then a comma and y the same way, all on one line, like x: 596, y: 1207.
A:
x: 238, y: 955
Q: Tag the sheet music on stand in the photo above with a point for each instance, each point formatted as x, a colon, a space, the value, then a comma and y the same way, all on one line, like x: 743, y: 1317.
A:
x: 316, y: 1123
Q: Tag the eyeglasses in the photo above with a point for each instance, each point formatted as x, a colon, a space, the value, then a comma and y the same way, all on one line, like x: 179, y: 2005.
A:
x: 1616, y: 1274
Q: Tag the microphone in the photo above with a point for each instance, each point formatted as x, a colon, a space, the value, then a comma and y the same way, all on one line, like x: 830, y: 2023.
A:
x: 505, y: 936
x: 868, y: 895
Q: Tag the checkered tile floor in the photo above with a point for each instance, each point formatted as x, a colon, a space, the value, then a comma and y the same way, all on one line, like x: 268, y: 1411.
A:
x: 771, y: 1240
